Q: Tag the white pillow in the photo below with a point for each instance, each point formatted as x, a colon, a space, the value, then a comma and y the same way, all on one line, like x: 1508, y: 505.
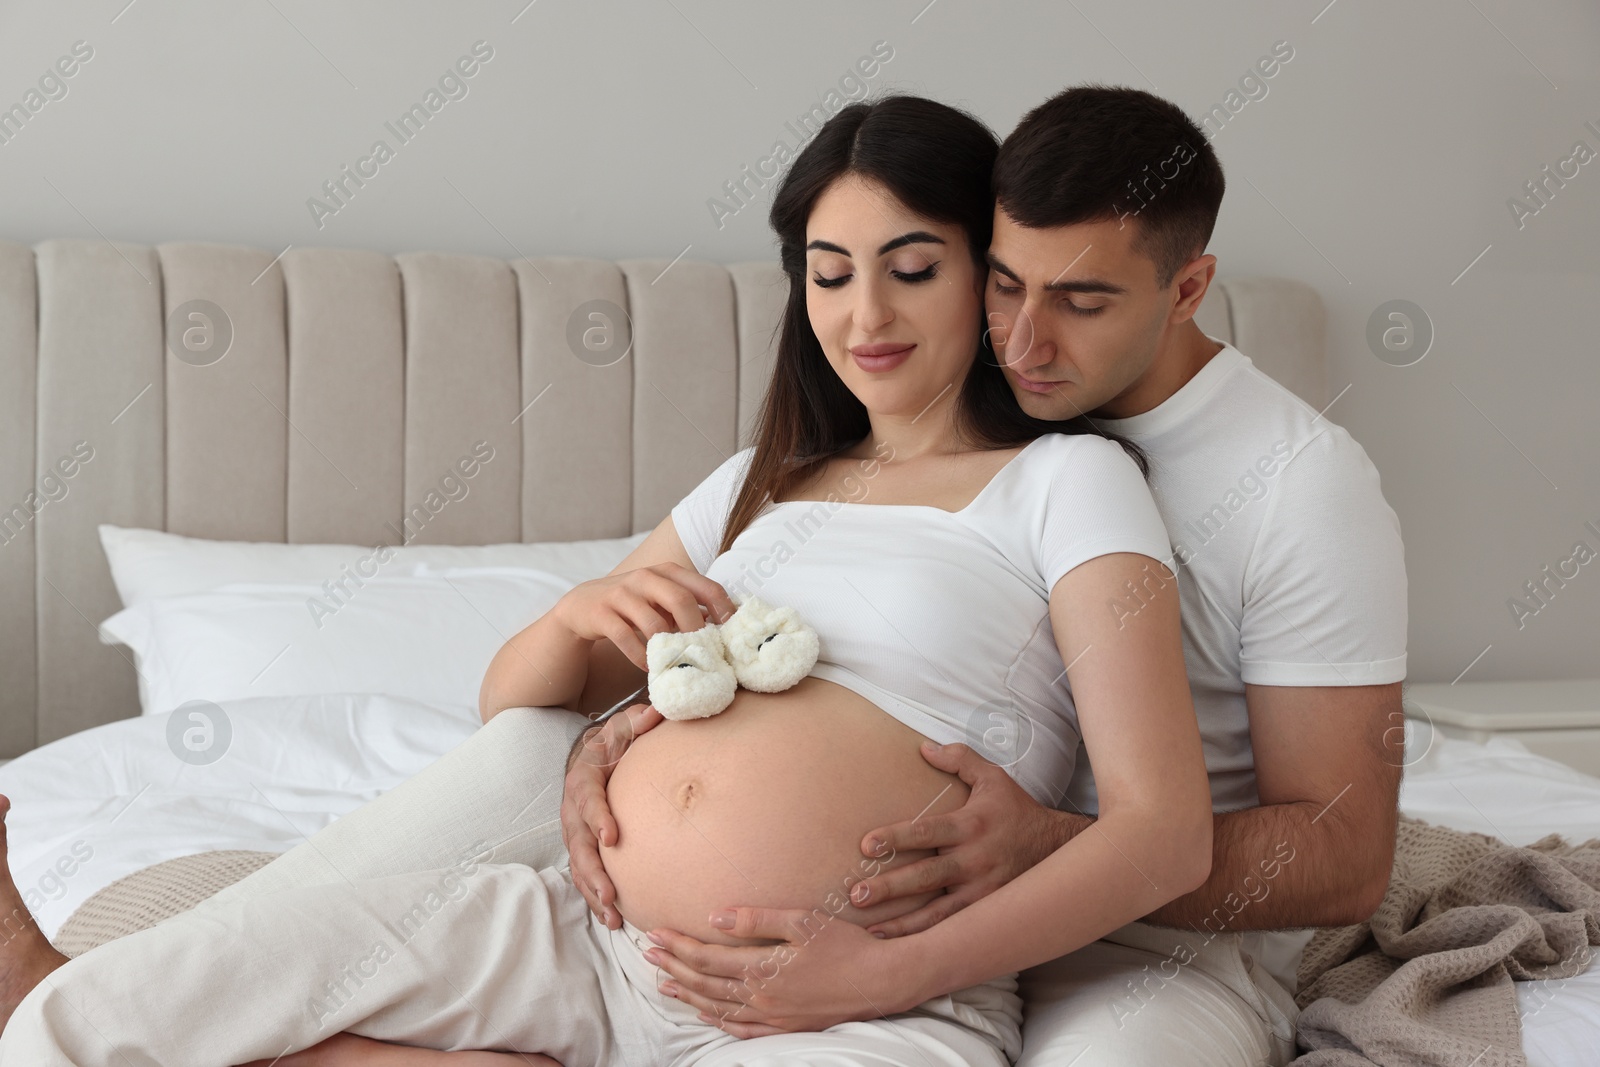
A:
x: 427, y: 638
x: 151, y: 563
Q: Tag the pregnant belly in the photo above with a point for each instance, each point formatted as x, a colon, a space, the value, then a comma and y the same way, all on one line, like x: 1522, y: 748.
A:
x: 765, y: 805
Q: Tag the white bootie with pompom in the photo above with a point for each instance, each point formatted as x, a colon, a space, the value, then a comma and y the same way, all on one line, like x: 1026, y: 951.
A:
x: 690, y: 676
x: 763, y: 648
x: 770, y: 648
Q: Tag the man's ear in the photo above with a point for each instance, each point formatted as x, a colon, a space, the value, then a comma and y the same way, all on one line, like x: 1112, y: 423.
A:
x: 1192, y: 282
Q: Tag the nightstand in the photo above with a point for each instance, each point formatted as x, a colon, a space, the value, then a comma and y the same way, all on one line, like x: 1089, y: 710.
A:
x: 1560, y: 720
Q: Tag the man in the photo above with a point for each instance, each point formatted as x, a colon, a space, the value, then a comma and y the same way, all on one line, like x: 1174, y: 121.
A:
x: 1293, y: 598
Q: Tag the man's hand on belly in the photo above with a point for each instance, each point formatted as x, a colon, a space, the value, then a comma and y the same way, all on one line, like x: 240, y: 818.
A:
x: 997, y: 834
x: 586, y: 820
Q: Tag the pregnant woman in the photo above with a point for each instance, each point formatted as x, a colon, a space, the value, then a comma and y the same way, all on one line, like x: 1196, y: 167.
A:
x: 956, y: 558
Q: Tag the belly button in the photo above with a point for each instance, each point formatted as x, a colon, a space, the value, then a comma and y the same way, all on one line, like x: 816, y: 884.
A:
x: 687, y: 793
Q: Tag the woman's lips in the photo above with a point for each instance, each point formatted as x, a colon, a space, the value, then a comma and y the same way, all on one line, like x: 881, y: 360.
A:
x: 881, y: 357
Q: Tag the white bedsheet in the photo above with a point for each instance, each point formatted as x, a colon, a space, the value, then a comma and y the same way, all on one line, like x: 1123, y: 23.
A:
x: 119, y: 795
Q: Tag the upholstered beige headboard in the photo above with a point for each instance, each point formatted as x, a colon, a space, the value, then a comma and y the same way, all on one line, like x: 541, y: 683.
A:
x: 351, y: 384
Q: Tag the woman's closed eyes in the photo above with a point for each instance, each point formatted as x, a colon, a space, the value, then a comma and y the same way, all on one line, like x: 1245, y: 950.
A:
x: 928, y: 273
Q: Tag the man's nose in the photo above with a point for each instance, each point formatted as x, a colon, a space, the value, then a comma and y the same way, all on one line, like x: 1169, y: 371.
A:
x: 1019, y: 342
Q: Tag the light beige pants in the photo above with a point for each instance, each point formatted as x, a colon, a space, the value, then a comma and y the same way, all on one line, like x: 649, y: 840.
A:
x: 1149, y: 996
x: 421, y: 919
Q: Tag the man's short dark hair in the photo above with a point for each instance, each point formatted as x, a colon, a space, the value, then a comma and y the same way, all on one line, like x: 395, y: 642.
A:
x: 1097, y: 152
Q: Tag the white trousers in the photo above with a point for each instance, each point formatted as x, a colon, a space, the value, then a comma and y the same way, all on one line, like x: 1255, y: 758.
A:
x: 421, y: 919
x: 1149, y: 996
x: 1133, y: 999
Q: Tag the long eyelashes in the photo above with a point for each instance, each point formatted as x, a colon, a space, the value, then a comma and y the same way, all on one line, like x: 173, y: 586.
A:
x: 926, y: 274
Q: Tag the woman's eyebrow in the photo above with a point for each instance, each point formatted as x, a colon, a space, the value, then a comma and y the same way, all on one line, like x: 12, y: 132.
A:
x: 826, y: 246
x: 915, y: 237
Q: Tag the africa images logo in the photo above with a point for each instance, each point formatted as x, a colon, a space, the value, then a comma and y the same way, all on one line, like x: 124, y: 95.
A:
x: 851, y: 85
x: 452, y: 85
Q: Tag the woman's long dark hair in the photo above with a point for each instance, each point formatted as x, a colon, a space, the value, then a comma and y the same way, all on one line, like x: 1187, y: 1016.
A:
x: 936, y: 161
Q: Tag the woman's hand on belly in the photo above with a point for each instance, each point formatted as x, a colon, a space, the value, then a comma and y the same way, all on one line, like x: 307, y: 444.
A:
x: 807, y: 975
x: 766, y: 804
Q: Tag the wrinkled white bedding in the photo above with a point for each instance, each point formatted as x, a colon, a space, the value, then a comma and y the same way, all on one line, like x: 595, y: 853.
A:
x: 93, y: 807
x: 101, y: 804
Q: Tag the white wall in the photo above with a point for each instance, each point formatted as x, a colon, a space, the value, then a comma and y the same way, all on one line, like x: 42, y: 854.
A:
x: 1377, y: 167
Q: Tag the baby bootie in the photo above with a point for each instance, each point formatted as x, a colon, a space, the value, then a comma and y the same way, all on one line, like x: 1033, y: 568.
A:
x: 770, y: 648
x: 690, y: 676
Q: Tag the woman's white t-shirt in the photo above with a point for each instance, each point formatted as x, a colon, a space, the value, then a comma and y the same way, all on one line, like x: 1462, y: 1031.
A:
x: 941, y: 618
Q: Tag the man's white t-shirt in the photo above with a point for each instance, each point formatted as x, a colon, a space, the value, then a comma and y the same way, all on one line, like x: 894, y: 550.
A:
x: 1290, y: 570
x: 1290, y: 566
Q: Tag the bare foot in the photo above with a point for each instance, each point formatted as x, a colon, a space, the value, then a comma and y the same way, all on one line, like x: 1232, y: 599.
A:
x: 26, y: 955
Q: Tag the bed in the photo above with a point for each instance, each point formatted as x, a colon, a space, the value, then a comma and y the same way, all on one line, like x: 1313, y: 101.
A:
x: 239, y: 432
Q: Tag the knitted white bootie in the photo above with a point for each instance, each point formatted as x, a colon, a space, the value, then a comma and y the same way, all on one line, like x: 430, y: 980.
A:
x: 690, y: 676
x: 763, y: 648
x: 770, y: 648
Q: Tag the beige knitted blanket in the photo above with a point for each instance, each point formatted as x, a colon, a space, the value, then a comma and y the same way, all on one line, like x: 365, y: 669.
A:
x: 1426, y: 982
x: 151, y: 894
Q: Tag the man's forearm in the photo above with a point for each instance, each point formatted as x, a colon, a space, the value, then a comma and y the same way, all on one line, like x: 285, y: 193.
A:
x: 578, y: 743
x: 1277, y: 866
